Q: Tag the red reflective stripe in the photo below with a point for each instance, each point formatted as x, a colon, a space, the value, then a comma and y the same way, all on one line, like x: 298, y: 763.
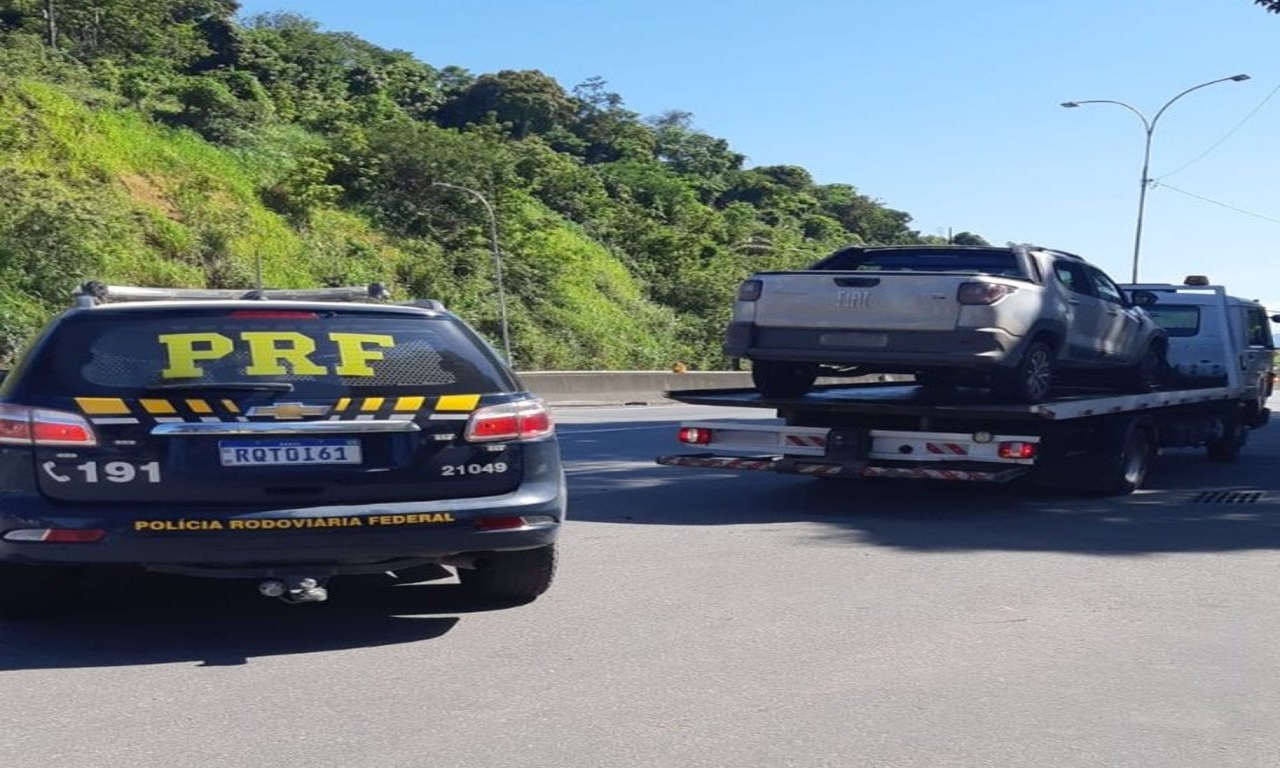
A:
x: 73, y: 535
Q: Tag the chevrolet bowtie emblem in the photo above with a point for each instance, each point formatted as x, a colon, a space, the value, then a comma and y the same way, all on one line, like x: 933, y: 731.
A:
x: 289, y: 410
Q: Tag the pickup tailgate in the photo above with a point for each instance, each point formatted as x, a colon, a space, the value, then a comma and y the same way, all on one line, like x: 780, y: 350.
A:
x: 885, y: 301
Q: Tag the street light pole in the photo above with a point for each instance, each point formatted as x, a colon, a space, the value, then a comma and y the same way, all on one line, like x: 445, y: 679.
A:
x: 1149, y: 127
x: 497, y: 262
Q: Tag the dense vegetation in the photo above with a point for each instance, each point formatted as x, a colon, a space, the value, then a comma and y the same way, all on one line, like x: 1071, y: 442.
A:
x: 169, y: 142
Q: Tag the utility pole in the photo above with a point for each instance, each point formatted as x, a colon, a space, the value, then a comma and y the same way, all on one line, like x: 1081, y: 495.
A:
x: 51, y: 24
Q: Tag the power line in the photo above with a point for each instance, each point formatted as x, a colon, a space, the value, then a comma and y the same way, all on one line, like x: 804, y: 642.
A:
x: 1220, y: 141
x: 1215, y: 202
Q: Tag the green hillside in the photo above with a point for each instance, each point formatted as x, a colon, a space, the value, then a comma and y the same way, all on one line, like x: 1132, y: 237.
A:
x: 171, y: 143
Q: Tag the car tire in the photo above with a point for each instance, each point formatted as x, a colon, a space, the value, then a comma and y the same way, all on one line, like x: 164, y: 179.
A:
x: 31, y: 591
x: 779, y: 379
x: 1031, y: 379
x: 1149, y: 372
x: 517, y: 576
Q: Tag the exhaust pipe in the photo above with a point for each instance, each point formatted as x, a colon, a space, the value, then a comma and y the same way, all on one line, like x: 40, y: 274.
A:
x: 296, y: 590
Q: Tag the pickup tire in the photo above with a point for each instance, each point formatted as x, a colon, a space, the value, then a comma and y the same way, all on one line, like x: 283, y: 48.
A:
x: 1149, y: 373
x: 511, y: 576
x: 781, y: 379
x: 1031, y: 379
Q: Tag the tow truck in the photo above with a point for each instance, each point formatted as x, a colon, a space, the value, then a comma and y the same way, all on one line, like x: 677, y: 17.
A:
x: 1220, y: 374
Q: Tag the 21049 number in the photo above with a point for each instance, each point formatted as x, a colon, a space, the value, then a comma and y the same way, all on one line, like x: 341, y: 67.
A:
x: 459, y: 470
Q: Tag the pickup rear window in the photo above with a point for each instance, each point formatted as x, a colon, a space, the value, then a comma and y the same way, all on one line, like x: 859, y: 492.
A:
x: 325, y: 354
x: 986, y: 262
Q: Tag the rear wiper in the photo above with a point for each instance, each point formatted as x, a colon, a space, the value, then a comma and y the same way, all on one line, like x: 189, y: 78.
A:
x: 248, y: 386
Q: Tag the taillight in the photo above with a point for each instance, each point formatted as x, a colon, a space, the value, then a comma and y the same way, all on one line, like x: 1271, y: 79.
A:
x: 20, y: 425
x: 57, y: 535
x: 983, y: 293
x: 525, y: 420
x: 1017, y: 449
x: 750, y: 290
x: 694, y: 435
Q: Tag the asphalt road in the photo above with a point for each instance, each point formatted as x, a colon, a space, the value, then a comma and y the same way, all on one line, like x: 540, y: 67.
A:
x: 706, y: 618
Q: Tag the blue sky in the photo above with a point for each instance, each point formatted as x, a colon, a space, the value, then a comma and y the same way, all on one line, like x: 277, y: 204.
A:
x: 944, y: 109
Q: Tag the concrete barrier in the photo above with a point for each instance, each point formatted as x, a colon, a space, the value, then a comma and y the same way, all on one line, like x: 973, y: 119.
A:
x: 639, y: 387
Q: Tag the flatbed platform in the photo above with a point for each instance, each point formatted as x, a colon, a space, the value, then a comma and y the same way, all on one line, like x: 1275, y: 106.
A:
x: 897, y: 398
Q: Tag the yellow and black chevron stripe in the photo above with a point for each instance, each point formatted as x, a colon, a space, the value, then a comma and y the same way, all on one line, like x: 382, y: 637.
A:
x: 443, y: 408
x: 154, y: 410
x: 117, y: 410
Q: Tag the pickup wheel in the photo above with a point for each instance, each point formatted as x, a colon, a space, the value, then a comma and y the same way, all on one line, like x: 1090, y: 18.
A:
x: 780, y: 379
x: 1030, y: 380
x: 511, y: 576
x: 30, y: 591
x: 1149, y: 372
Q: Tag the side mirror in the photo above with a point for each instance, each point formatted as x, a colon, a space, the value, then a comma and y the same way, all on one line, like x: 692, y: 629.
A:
x: 1143, y: 298
x: 1275, y: 318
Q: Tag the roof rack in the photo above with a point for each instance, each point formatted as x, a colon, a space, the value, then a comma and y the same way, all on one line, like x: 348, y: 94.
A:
x: 93, y: 293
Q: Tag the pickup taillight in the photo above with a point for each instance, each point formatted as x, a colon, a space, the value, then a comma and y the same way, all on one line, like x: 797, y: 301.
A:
x: 750, y: 290
x: 983, y: 294
x: 20, y: 425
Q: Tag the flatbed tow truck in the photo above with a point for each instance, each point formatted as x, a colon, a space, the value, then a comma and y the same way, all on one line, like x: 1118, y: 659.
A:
x: 1085, y: 440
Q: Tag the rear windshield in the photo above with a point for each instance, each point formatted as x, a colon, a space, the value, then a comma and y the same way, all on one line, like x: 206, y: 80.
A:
x: 992, y: 262
x: 315, y: 354
x: 1177, y: 319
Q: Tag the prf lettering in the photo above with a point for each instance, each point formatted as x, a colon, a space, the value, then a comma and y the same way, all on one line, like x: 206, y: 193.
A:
x: 271, y: 353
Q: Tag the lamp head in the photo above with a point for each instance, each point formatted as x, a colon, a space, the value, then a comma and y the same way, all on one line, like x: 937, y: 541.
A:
x: 1238, y: 78
x: 1070, y: 104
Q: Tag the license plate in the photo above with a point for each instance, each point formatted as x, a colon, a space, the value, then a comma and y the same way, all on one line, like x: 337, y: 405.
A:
x: 854, y: 339
x: 286, y: 453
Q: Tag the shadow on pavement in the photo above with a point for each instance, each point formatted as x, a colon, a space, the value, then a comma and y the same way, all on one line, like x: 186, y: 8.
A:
x: 608, y: 484
x: 132, y: 618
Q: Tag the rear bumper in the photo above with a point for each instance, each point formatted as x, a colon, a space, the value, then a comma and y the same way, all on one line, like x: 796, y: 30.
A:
x: 347, y: 538
x: 888, y: 351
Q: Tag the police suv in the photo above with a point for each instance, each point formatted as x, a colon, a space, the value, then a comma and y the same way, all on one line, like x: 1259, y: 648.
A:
x: 281, y: 436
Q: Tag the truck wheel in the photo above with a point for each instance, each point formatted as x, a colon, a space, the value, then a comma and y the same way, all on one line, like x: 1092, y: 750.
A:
x: 1126, y: 468
x: 1226, y: 449
x: 1029, y: 381
x: 778, y: 379
x: 511, y: 576
x: 28, y: 591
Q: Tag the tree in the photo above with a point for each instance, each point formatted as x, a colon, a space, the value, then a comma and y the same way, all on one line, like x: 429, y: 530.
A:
x: 1272, y: 6
x: 170, y: 33
x: 609, y: 131
x: 968, y: 238
x: 528, y: 101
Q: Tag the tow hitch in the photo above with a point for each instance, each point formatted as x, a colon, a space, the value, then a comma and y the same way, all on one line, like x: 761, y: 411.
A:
x: 295, y: 590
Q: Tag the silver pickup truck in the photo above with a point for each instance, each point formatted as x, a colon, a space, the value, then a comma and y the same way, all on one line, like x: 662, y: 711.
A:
x: 1013, y: 318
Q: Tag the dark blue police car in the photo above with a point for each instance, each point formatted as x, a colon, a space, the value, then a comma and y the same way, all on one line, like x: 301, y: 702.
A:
x: 281, y: 436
